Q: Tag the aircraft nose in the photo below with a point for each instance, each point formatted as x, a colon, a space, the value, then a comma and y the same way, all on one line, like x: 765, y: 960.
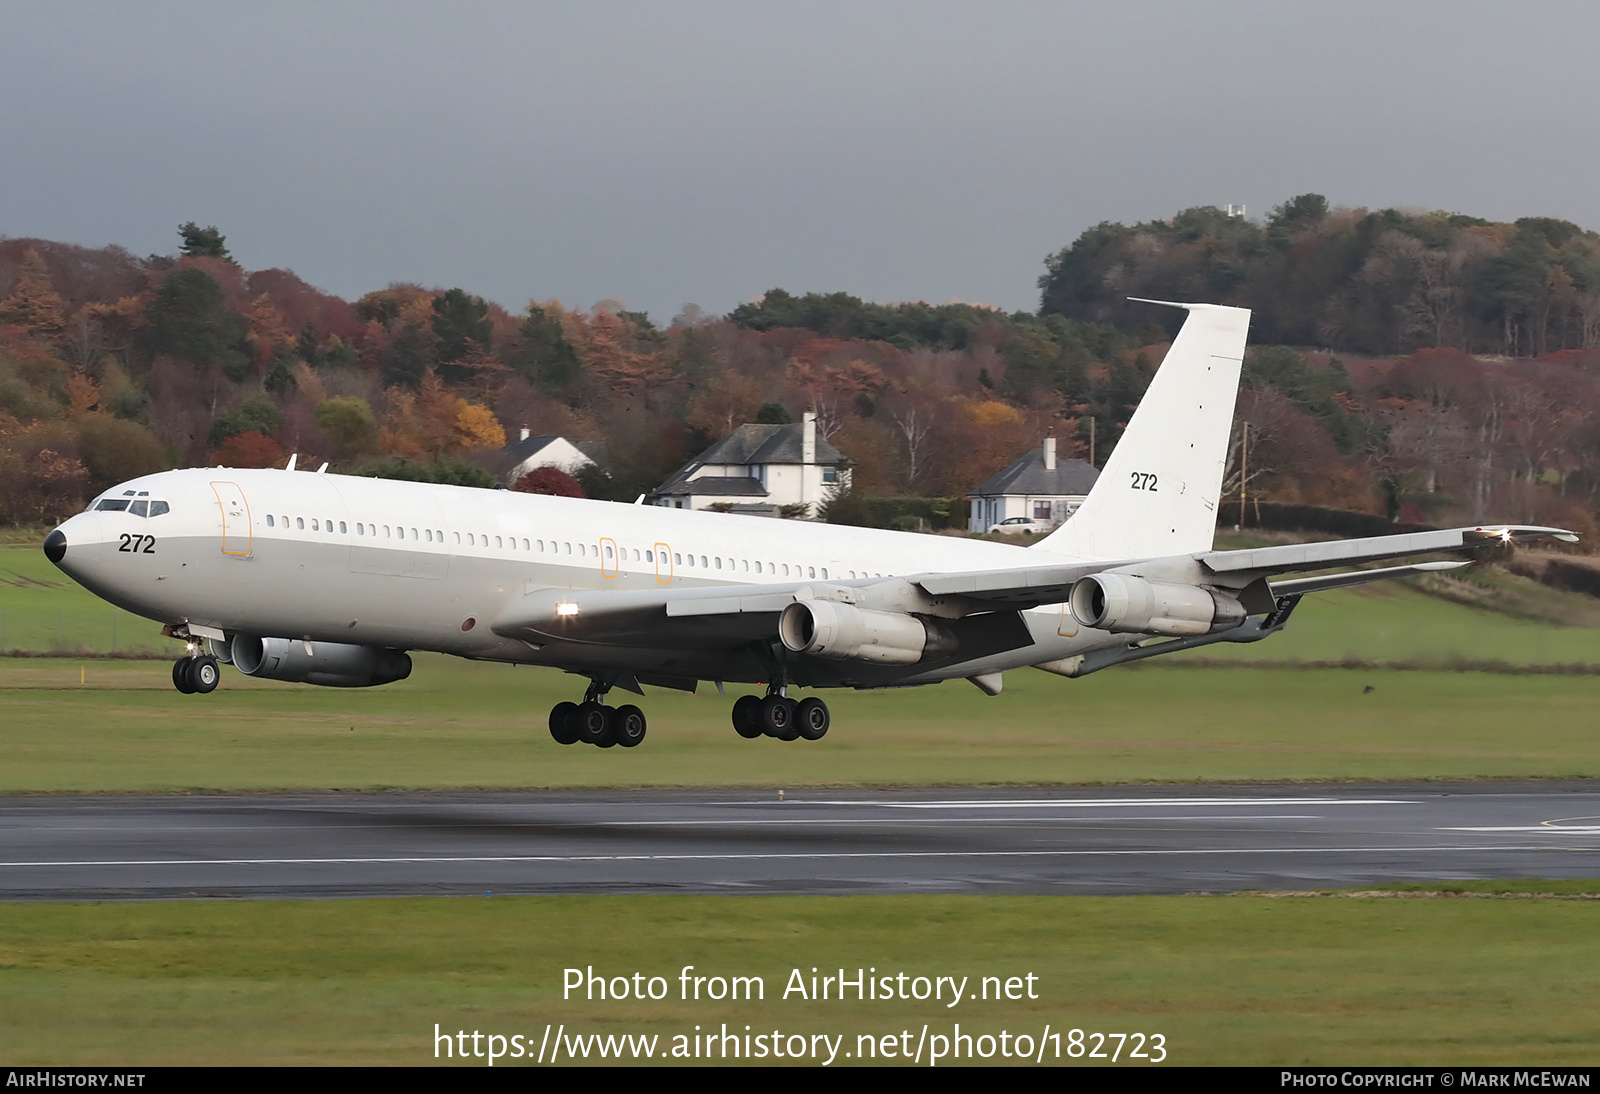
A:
x: 55, y: 546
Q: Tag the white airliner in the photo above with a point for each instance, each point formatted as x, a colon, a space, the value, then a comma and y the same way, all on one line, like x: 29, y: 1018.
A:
x: 328, y: 579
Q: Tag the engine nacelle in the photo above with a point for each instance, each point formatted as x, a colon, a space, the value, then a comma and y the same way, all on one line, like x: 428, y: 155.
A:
x: 330, y: 664
x: 827, y: 629
x: 1131, y: 605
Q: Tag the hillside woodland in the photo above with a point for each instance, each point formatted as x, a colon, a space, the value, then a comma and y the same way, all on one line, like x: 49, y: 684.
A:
x: 1421, y: 366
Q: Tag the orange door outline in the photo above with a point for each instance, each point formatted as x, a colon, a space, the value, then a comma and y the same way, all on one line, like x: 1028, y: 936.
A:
x: 608, y: 546
x: 238, y: 527
x: 663, y: 554
x: 1067, y: 618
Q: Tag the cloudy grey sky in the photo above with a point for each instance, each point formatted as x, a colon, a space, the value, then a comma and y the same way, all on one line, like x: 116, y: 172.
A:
x: 669, y: 153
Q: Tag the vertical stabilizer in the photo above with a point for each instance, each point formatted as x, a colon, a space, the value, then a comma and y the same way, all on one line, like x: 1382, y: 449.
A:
x: 1159, y: 491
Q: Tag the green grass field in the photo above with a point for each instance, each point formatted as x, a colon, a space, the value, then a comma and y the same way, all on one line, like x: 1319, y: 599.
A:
x: 459, y: 724
x: 1234, y: 980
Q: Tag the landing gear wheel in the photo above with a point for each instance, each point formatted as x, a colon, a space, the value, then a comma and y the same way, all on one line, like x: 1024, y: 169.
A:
x: 627, y: 725
x: 812, y: 719
x: 180, y: 675
x: 594, y: 725
x: 747, y: 716
x: 778, y: 718
x: 563, y: 723
x: 204, y: 675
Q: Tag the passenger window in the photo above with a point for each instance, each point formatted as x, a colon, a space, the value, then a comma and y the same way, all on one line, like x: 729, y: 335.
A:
x: 269, y: 520
x: 413, y: 533
x: 758, y: 567
x: 691, y: 560
x: 300, y: 523
x: 386, y: 533
x: 785, y: 569
x: 525, y: 546
x: 677, y: 559
x: 744, y: 564
x: 342, y: 529
x: 719, y: 562
x: 540, y: 544
x: 811, y: 571
x: 649, y: 556
x: 824, y: 573
x: 568, y: 547
x: 314, y: 527
x: 702, y: 561
x: 608, y: 551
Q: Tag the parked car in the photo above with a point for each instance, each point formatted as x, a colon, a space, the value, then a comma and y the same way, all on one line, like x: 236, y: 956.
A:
x: 1018, y: 526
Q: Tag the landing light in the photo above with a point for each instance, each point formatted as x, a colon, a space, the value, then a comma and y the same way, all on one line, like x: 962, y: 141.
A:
x: 566, y: 609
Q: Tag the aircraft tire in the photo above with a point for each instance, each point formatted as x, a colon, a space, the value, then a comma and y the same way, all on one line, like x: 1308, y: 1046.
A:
x: 594, y: 725
x: 564, y: 723
x: 778, y: 718
x: 747, y: 716
x: 812, y: 719
x: 628, y: 725
x: 204, y: 674
x: 180, y: 675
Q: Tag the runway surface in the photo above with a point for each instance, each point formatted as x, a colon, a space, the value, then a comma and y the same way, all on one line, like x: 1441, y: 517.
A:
x: 1056, y: 840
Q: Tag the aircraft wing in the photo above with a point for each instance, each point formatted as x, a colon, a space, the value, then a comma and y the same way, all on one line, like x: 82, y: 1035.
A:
x: 729, y: 616
x: 1051, y: 584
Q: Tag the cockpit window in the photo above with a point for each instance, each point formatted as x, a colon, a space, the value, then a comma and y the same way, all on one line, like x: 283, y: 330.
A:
x: 112, y: 505
x: 140, y: 508
x: 159, y: 508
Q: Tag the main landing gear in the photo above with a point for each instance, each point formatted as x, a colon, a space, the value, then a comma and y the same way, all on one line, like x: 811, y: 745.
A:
x: 197, y: 674
x: 594, y: 723
x: 779, y: 716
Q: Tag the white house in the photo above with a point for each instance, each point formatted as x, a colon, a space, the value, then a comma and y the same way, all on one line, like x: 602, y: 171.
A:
x: 530, y: 453
x: 759, y: 469
x: 1037, y: 485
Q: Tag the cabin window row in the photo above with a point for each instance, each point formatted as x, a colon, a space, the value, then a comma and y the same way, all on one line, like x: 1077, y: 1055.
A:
x: 584, y: 550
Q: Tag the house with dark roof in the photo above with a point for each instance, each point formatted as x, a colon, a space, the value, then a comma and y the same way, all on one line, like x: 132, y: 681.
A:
x: 1037, y: 485
x: 759, y: 469
x: 531, y: 453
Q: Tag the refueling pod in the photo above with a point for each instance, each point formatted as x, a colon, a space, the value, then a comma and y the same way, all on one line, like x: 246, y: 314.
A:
x: 1124, y: 604
x: 828, y: 629
x: 331, y: 664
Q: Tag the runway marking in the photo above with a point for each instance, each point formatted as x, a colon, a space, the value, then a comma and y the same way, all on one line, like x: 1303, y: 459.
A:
x: 1094, y: 803
x: 1543, y: 829
x: 754, y: 857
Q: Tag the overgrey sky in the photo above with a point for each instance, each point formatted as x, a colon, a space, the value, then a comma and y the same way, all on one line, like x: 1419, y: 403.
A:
x: 669, y: 153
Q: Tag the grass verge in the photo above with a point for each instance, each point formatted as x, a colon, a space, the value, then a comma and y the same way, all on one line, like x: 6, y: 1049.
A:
x: 1225, y: 980
x: 119, y: 726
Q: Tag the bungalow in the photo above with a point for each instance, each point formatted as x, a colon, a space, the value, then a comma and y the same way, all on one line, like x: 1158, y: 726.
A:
x: 1036, y: 485
x: 759, y: 469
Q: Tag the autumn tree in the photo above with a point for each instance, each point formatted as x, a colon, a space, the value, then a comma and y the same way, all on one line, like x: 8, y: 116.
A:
x: 544, y: 355
x: 549, y: 480
x: 349, y: 421
x: 33, y: 304
x: 248, y: 449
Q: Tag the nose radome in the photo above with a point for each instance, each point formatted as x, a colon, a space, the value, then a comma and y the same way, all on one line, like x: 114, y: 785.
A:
x: 55, y: 546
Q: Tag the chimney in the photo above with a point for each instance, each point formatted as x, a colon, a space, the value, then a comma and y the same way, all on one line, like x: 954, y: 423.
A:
x: 524, y: 432
x: 1049, y: 453
x: 808, y: 437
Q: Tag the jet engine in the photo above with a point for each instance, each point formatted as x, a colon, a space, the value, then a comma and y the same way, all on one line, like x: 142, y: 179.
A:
x: 330, y: 664
x: 828, y: 629
x: 1131, y: 605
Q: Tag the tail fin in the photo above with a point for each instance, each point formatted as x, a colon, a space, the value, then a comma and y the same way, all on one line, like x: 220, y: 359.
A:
x: 1159, y: 491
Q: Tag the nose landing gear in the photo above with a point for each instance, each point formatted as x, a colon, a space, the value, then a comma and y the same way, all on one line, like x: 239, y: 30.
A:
x: 196, y: 675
